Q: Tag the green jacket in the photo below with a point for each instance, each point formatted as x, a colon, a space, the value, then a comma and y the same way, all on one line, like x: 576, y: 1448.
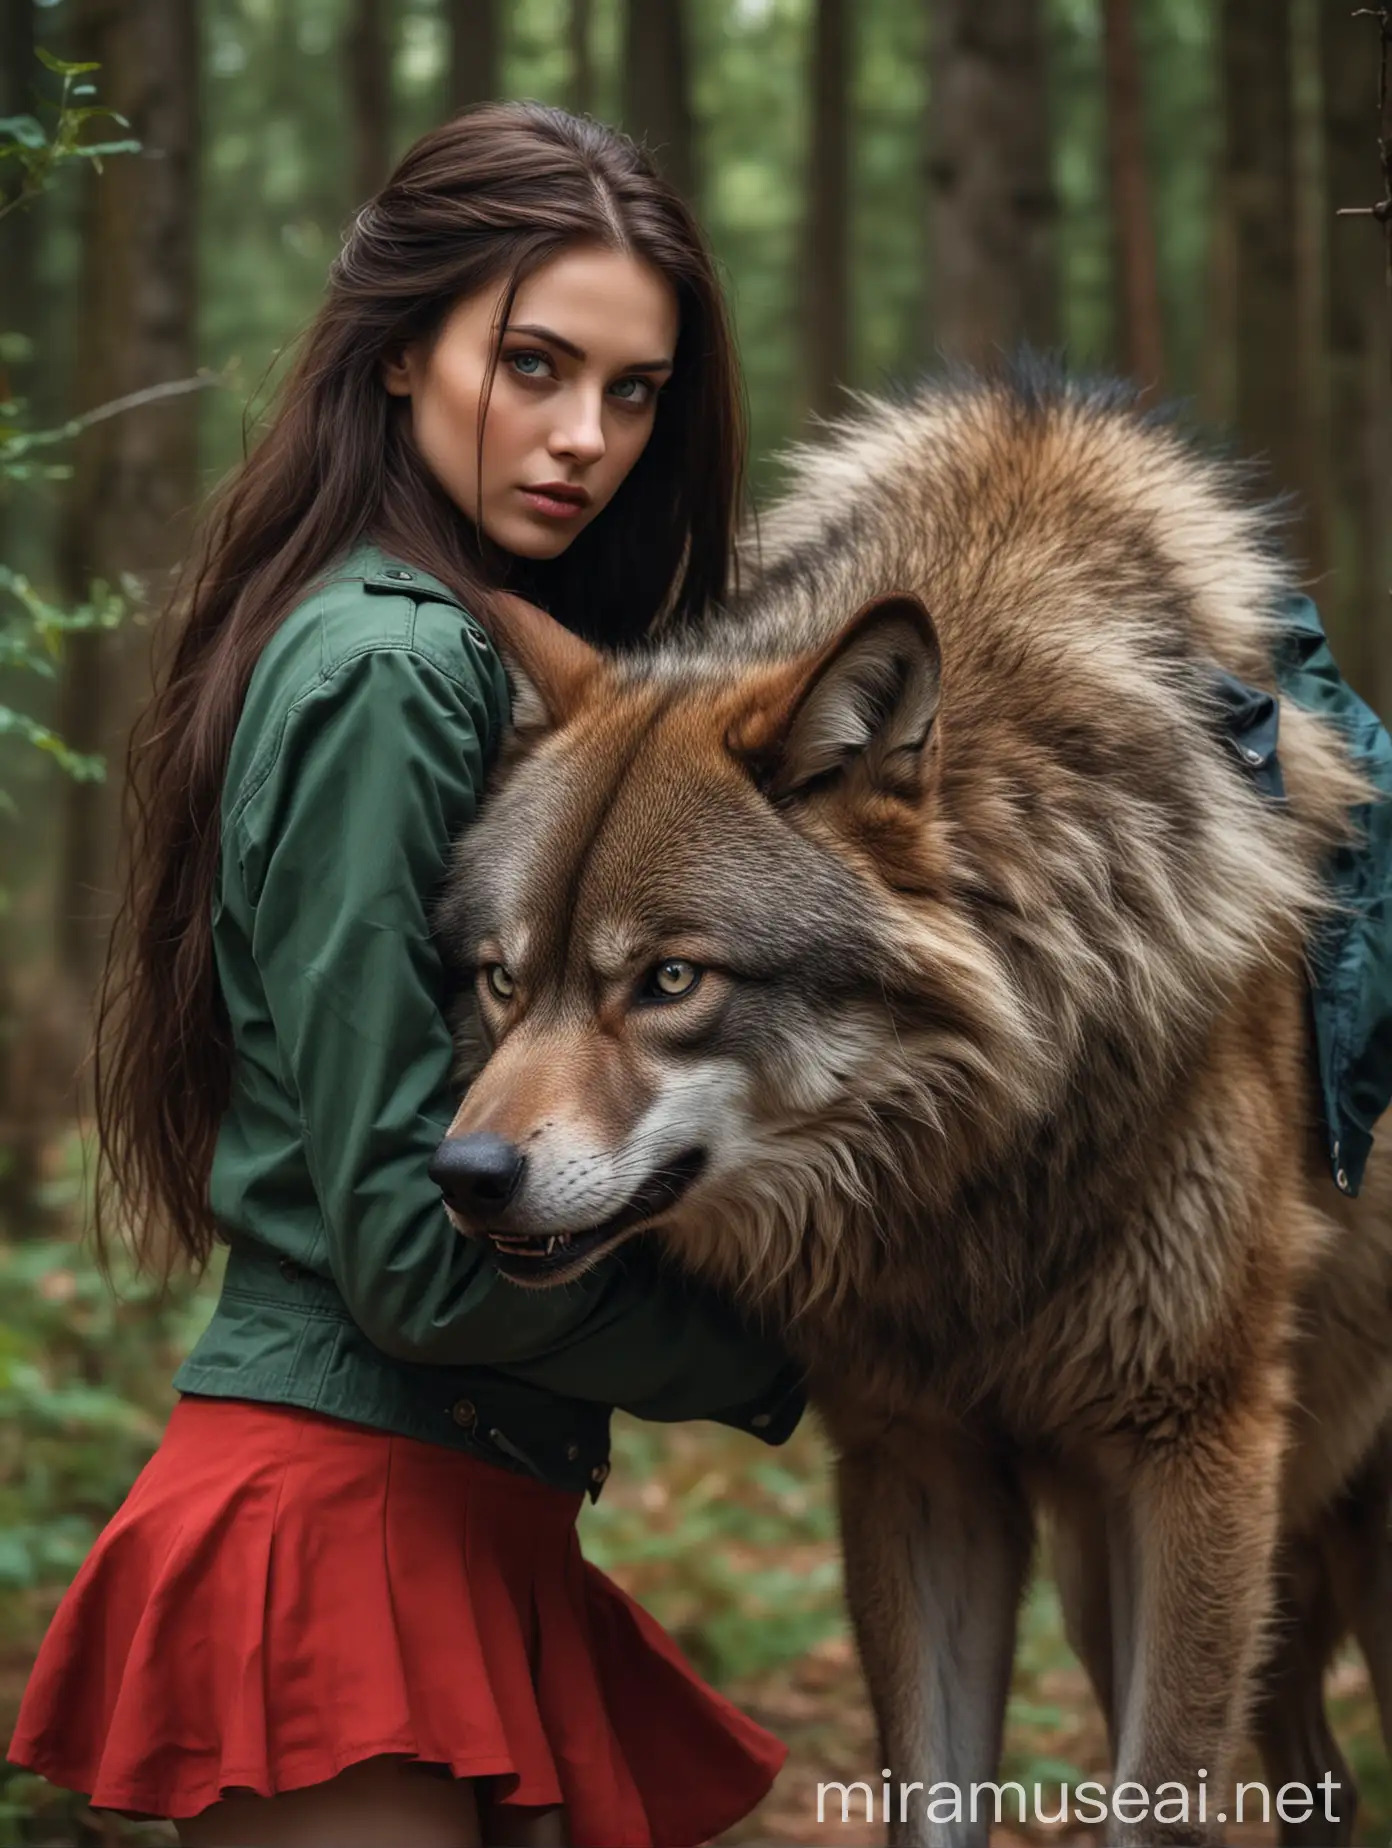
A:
x: 1351, y: 970
x: 358, y: 758
x: 1351, y: 964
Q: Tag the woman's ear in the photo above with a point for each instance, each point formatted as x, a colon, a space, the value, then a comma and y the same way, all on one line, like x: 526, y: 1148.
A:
x: 398, y: 371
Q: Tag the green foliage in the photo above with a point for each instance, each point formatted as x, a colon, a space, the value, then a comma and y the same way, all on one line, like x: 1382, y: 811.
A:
x: 84, y: 1372
x: 84, y: 1395
x: 731, y: 1546
x: 31, y: 638
x: 31, y: 627
x: 82, y: 1403
x: 38, y: 152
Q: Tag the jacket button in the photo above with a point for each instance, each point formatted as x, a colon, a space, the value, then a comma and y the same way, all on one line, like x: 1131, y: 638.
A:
x: 400, y: 577
x: 289, y: 1270
x: 572, y: 1452
x: 600, y: 1473
x: 464, y: 1413
x: 760, y: 1419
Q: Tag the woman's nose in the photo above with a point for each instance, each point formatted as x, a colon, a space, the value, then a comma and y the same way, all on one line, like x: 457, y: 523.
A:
x: 580, y: 435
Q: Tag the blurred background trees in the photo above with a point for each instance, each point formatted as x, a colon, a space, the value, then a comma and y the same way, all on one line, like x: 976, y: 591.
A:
x: 1148, y: 185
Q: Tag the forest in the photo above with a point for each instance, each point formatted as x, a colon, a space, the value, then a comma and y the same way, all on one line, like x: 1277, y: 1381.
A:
x: 1179, y: 192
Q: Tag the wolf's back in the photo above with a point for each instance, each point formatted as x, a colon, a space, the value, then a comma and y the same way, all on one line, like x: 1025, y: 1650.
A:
x: 1035, y: 493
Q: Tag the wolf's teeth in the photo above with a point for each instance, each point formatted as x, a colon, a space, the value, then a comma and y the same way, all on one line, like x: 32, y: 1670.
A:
x: 551, y: 1244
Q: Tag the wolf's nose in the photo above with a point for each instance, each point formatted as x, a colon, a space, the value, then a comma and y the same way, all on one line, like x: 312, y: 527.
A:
x: 477, y: 1174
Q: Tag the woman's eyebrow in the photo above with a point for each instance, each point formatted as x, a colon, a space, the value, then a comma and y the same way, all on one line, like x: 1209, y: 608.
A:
x: 569, y: 346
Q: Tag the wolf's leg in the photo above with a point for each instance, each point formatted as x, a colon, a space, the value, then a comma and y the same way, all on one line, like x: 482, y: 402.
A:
x: 1290, y: 1723
x: 1082, y: 1572
x: 1203, y: 1515
x: 936, y: 1560
x: 1372, y: 1625
x: 1362, y: 1569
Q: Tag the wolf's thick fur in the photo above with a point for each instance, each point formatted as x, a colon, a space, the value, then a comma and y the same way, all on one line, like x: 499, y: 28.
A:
x: 998, y: 1065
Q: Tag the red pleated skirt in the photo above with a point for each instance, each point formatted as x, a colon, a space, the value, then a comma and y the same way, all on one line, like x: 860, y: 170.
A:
x: 283, y: 1595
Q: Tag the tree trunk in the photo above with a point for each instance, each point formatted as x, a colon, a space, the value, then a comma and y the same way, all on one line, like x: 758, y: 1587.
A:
x: 1135, y: 263
x: 657, y: 89
x: 18, y: 70
x: 128, y: 508
x: 992, y: 206
x: 1360, y: 405
x: 582, y: 76
x: 1310, y: 370
x: 19, y: 246
x: 475, y: 52
x: 826, y: 310
x: 23, y: 1122
x: 367, y: 51
x: 1217, y: 387
x: 1259, y: 125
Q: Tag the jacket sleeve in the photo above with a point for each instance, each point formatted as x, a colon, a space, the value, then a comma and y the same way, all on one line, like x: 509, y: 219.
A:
x: 343, y: 847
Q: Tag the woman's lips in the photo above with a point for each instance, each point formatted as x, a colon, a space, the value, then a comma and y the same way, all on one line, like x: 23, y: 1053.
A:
x: 553, y: 505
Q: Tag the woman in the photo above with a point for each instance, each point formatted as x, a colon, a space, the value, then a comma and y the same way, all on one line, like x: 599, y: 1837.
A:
x: 345, y: 1600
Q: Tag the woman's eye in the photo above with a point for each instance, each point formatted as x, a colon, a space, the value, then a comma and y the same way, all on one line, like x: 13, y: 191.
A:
x: 529, y: 365
x: 633, y: 391
x: 672, y: 979
x: 500, y: 984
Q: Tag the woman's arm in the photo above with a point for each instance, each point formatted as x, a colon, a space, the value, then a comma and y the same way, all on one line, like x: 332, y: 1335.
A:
x: 343, y: 846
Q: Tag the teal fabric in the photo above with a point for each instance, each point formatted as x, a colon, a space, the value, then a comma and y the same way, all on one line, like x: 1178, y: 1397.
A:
x: 1351, y: 964
x: 358, y: 759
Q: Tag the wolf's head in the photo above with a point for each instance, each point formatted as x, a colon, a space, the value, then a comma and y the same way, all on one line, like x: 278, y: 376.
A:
x: 686, y: 913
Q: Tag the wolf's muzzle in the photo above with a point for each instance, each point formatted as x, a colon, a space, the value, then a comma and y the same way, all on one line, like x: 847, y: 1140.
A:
x: 477, y: 1174
x: 550, y: 1257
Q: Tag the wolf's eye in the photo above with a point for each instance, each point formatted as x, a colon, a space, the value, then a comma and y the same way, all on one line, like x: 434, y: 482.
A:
x: 672, y: 979
x: 500, y: 983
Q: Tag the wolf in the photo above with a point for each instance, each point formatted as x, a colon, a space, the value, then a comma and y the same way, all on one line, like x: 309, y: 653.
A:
x: 913, y: 949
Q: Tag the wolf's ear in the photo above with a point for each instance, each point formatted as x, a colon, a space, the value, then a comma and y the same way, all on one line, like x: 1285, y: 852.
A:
x: 550, y: 669
x: 871, y: 695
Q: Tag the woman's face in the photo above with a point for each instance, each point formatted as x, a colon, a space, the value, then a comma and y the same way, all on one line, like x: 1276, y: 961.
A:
x: 588, y: 344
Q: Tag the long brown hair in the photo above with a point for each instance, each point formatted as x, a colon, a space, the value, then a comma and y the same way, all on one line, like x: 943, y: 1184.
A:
x: 481, y: 202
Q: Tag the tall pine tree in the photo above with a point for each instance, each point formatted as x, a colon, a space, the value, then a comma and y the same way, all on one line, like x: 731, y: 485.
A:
x: 129, y: 506
x: 368, y: 67
x: 657, y: 89
x: 826, y: 294
x: 1358, y: 336
x: 475, y: 58
x: 1135, y: 258
x: 992, y: 206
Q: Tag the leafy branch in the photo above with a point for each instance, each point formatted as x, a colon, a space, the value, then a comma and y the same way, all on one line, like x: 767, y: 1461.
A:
x: 16, y: 443
x: 37, y: 151
x: 32, y: 630
x: 31, y: 640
